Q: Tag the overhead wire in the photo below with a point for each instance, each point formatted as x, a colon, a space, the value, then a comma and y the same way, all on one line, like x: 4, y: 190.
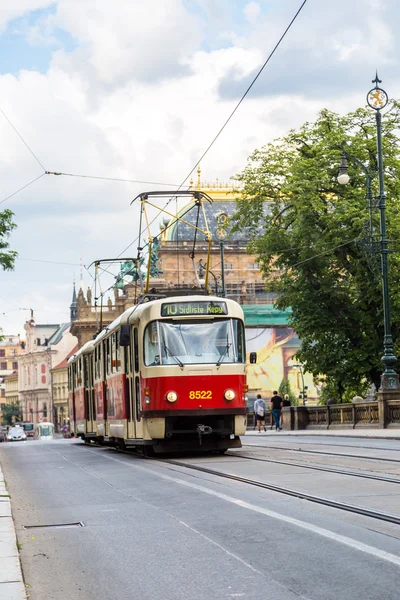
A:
x: 54, y: 262
x: 22, y: 188
x: 103, y: 178
x: 22, y: 139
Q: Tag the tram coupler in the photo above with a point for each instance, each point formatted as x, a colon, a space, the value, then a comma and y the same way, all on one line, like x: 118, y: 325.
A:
x: 203, y: 430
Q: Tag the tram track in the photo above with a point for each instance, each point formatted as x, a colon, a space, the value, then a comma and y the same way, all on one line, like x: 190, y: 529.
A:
x: 366, y: 512
x: 320, y: 468
x: 351, y: 508
x: 301, y: 450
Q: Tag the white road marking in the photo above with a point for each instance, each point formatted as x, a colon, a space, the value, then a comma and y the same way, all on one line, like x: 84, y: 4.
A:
x: 336, y: 537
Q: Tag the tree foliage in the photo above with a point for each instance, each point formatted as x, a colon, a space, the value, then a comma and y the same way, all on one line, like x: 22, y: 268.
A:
x: 10, y: 410
x: 7, y: 257
x: 310, y: 236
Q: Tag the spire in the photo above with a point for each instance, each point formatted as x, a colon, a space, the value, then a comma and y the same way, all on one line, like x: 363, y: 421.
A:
x: 73, y: 307
x: 198, y: 178
x: 376, y: 80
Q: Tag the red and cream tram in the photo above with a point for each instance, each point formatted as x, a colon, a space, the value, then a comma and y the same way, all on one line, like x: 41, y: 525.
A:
x: 168, y: 373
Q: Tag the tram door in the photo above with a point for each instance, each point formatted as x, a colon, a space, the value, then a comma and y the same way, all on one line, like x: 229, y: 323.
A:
x: 129, y: 408
x: 136, y: 385
x: 89, y: 393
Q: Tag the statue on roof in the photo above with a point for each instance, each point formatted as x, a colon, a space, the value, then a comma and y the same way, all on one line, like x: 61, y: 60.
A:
x: 130, y: 269
x: 154, y: 270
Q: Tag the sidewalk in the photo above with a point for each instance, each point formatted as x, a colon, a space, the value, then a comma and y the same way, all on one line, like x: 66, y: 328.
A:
x: 389, y: 434
x: 11, y: 582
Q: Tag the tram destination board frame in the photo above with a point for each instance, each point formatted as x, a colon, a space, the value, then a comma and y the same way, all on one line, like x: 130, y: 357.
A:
x: 193, y: 309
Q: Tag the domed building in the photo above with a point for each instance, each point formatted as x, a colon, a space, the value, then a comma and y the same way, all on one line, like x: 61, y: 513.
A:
x: 234, y: 272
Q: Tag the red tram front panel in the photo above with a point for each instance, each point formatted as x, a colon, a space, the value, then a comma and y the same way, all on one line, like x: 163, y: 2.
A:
x: 194, y: 393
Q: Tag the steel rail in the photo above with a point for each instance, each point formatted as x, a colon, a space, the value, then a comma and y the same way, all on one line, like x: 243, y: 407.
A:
x: 320, y: 468
x: 393, y: 460
x: 366, y: 512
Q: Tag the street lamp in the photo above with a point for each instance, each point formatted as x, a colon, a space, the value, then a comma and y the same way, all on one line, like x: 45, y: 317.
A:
x: 303, y: 387
x: 378, y: 99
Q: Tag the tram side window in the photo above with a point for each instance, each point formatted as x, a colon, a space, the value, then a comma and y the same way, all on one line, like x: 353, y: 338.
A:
x: 117, y: 352
x: 74, y: 367
x: 240, y: 340
x: 108, y: 355
x: 136, y: 349
x: 112, y: 352
x: 97, y: 362
x: 86, y: 371
x: 151, y: 346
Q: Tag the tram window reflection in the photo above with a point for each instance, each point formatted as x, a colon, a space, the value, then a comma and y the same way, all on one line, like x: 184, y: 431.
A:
x: 201, y: 342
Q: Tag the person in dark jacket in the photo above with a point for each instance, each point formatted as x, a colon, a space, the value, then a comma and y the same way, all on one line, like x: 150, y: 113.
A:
x: 276, y: 403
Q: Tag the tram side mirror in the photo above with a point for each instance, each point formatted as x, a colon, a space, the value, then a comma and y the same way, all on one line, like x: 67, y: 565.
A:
x: 125, y: 335
x: 253, y: 358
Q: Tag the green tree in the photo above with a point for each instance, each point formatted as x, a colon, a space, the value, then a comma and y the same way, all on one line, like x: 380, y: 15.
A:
x: 11, y: 411
x: 7, y: 257
x: 309, y: 234
x: 285, y: 388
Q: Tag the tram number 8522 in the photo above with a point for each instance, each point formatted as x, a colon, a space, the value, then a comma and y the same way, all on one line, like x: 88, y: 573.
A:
x: 200, y: 395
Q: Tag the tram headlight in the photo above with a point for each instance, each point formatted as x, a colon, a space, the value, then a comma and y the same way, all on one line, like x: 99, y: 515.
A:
x: 229, y: 395
x: 172, y: 397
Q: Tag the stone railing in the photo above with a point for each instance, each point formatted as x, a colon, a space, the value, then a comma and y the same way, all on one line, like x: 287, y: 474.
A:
x: 337, y: 416
x: 393, y: 413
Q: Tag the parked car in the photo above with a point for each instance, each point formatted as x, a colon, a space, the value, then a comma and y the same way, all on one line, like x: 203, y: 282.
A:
x: 16, y: 434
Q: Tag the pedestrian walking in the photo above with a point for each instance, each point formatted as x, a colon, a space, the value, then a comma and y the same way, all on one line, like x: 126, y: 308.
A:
x: 260, y: 409
x: 276, y: 403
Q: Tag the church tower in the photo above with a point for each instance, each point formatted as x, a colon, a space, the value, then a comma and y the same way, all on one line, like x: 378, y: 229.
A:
x: 74, y: 306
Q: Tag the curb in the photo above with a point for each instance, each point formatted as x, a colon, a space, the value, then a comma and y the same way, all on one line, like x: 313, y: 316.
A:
x: 327, y: 433
x: 12, y: 585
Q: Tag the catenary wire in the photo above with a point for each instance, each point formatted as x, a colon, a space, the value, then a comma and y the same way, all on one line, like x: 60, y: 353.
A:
x: 54, y: 262
x: 109, y: 178
x: 22, y: 139
x: 229, y: 117
x: 22, y: 188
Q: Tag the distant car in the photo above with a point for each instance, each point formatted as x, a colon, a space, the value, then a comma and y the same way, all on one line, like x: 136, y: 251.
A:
x: 16, y: 434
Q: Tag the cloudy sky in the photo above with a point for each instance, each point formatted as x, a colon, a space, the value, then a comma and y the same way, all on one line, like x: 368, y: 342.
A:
x: 137, y: 90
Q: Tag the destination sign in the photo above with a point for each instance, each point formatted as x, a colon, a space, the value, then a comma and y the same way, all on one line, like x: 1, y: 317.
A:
x: 184, y: 309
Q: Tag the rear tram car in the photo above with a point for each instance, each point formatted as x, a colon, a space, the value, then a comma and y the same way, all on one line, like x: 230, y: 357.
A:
x: 167, y: 375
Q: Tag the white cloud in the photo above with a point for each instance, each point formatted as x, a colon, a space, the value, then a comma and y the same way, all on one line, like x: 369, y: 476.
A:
x: 252, y: 11
x: 11, y: 9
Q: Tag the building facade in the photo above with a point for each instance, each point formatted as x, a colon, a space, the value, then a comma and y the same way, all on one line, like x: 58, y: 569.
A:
x: 10, y: 348
x: 46, y: 346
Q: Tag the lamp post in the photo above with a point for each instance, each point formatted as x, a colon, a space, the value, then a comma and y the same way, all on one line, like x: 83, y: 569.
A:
x: 378, y: 99
x: 303, y: 392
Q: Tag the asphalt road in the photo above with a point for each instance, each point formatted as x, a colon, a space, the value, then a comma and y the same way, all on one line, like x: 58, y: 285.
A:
x: 155, y: 531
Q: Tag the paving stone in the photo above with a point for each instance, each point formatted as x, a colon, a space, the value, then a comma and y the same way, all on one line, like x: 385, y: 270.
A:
x: 7, y: 531
x: 8, y: 549
x: 10, y: 570
x: 5, y: 509
x: 12, y: 591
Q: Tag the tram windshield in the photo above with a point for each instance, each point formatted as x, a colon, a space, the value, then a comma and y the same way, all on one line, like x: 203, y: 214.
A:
x: 196, y: 342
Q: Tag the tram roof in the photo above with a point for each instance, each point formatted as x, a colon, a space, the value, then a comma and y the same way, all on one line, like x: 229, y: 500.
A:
x: 86, y: 348
x: 136, y: 311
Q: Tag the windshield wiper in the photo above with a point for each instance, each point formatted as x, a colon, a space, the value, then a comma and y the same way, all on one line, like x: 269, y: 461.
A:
x: 223, y: 354
x: 167, y: 351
